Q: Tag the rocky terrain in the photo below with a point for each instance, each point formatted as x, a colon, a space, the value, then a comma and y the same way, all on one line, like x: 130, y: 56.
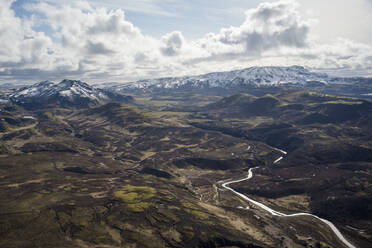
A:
x: 67, y: 93
x: 86, y: 167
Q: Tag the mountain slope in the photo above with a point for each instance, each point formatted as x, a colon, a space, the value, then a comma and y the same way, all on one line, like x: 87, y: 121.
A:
x: 68, y: 93
x: 295, y: 107
x: 254, y: 80
x: 120, y: 176
x: 254, y: 76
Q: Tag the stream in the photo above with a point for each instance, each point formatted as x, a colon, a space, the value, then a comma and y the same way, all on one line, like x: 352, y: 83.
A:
x: 280, y: 214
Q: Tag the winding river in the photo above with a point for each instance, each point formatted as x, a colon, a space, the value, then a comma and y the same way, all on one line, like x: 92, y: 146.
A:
x: 280, y: 214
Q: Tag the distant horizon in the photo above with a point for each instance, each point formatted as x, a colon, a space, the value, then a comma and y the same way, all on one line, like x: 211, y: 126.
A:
x: 330, y: 73
x: 125, y: 41
x: 178, y: 123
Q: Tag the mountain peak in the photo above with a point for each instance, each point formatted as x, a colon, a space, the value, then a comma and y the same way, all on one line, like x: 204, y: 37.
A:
x: 45, y: 83
x: 67, y: 93
x: 70, y: 83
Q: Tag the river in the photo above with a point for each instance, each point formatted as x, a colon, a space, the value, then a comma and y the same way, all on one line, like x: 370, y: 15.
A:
x: 280, y: 214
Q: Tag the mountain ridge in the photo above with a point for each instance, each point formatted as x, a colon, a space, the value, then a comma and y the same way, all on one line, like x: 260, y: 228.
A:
x: 257, y: 81
x: 66, y: 93
x: 268, y: 75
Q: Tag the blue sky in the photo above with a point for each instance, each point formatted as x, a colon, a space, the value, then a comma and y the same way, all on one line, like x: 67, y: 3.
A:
x: 155, y: 18
x: 127, y: 40
x: 198, y: 17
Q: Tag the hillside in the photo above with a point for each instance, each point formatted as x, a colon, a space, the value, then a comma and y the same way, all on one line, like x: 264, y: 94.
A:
x: 113, y: 175
x: 67, y: 93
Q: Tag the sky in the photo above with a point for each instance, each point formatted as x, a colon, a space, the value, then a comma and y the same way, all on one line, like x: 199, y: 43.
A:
x: 120, y: 41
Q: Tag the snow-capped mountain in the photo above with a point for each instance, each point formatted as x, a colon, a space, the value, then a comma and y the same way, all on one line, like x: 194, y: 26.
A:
x: 67, y: 93
x: 253, y: 76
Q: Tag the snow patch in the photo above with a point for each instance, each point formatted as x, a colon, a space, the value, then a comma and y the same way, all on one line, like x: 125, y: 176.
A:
x: 66, y: 88
x: 278, y: 160
x: 257, y: 76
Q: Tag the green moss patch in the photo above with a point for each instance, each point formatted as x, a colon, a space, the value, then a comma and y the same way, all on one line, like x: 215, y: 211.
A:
x: 195, y: 211
x: 135, y: 197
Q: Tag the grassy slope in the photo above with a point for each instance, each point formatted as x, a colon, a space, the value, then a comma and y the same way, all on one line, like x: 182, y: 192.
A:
x: 78, y: 177
x: 330, y: 153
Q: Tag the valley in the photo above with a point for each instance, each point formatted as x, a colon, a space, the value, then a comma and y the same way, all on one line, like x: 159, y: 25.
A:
x: 185, y: 124
x: 170, y: 170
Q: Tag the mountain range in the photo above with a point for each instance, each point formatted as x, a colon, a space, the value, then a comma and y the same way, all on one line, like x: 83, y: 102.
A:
x: 188, y: 162
x: 257, y: 76
x: 253, y: 80
x: 257, y: 81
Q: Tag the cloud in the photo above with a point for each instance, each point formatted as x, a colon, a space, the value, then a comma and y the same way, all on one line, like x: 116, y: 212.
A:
x: 11, y: 34
x: 21, y: 46
x: 97, y: 48
x: 88, y: 39
x: 172, y: 43
x: 98, y: 44
x: 340, y: 18
x: 269, y: 26
x: 109, y: 23
x: 275, y: 33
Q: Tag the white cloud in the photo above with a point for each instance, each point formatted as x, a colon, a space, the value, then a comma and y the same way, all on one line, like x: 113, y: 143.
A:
x: 172, y: 43
x: 276, y: 34
x: 93, y: 41
x: 99, y: 44
x: 11, y: 34
x: 21, y: 46
x: 269, y: 26
x: 340, y: 18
